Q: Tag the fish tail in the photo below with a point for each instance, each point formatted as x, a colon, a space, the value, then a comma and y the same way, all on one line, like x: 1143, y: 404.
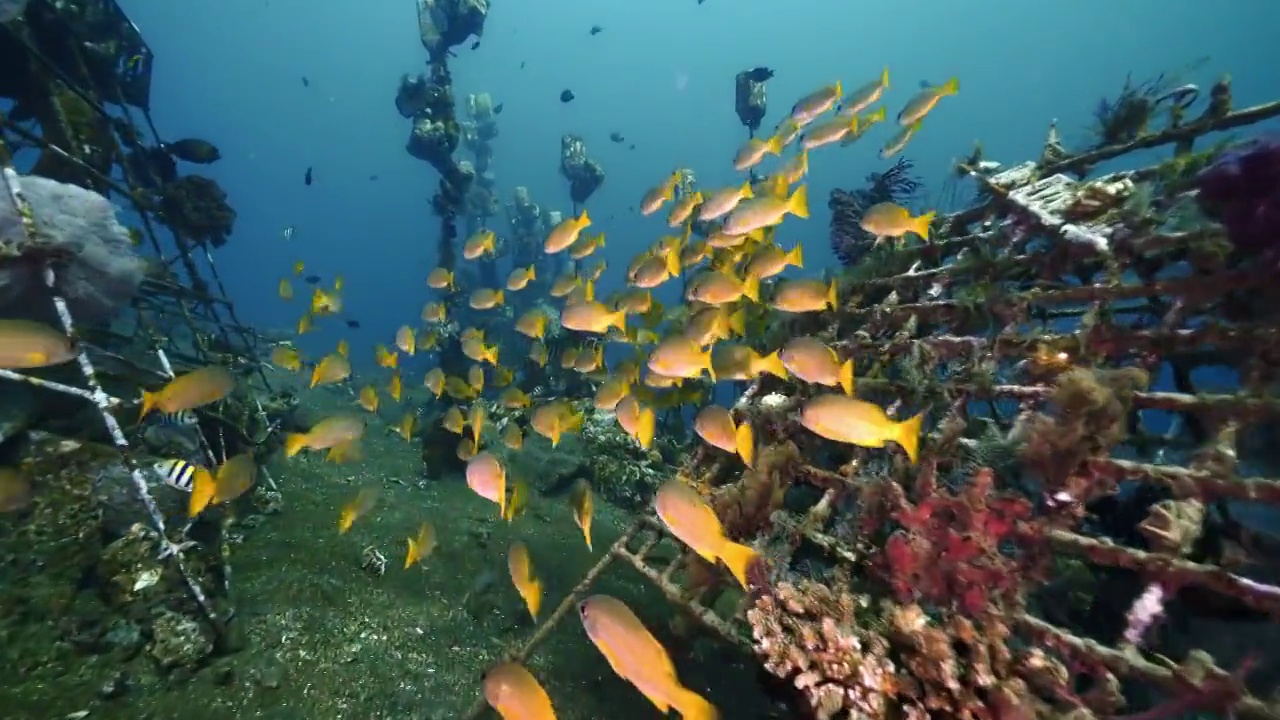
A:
x: 738, y: 558
x: 737, y: 322
x: 772, y: 364
x: 798, y: 203
x: 907, y: 434
x: 148, y: 404
x: 492, y: 355
x: 619, y: 320
x: 831, y: 294
x: 746, y: 192
x: 693, y: 706
x: 884, y: 77
x: 796, y: 256
x: 846, y: 377
x: 745, y: 439
x: 673, y: 264
x: 293, y: 442
x: 709, y: 365
x: 584, y: 220
x: 645, y: 427
x: 839, y: 89
x: 751, y: 288
x: 533, y: 272
x: 774, y: 145
x: 921, y: 224
x: 876, y: 116
x: 586, y: 534
x: 951, y: 87
x: 203, y: 488
x: 412, y: 555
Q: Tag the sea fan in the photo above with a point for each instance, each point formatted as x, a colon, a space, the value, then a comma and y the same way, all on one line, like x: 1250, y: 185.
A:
x: 849, y: 241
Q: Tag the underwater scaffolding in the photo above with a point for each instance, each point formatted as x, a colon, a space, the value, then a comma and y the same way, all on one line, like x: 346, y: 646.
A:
x: 976, y: 583
x: 65, y: 63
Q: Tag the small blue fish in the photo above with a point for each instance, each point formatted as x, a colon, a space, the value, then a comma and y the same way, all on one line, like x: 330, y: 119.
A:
x: 176, y: 473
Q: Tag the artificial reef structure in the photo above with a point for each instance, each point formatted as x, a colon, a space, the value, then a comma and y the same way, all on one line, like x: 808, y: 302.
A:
x: 1089, y: 529
x: 100, y: 554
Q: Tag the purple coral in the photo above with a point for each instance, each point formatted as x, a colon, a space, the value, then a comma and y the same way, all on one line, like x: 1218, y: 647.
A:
x: 1241, y: 190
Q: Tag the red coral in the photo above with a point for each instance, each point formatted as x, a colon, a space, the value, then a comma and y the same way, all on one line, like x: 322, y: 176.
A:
x: 958, y: 550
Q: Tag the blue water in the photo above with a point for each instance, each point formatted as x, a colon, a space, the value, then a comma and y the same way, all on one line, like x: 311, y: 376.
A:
x: 661, y: 73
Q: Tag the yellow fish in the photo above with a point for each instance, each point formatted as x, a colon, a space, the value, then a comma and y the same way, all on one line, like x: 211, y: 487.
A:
x: 338, y: 431
x: 304, y: 324
x: 695, y: 524
x: 394, y: 387
x: 359, y: 506
x: 512, y: 437
x: 521, y: 277
x: 405, y: 340
x: 368, y: 398
x: 386, y: 358
x: 475, y: 418
x: 440, y: 279
x: 333, y: 368
x: 765, y: 212
x: 286, y: 357
x: 925, y: 100
x: 475, y: 349
x: 800, y: 295
x: 453, y: 421
x: 554, y: 419
x: 485, y: 299
x: 857, y: 422
x: 683, y: 209
x: 325, y: 303
x: 592, y: 317
x: 862, y: 98
x: 637, y: 420
x: 482, y: 243
x: 286, y: 289
x: 656, y: 197
x: 812, y: 361
x: 715, y: 425
x: 434, y: 381
x: 754, y: 150
x: 405, y: 428
x: 583, y: 508
x: 566, y: 233
x: 420, y: 546
x: 434, y: 312
x: 475, y: 378
x: 344, y: 348
x: 515, y: 694
x: 298, y: 267
x: 524, y: 577
x: 888, y: 220
x: 185, y: 392
x: 517, y: 502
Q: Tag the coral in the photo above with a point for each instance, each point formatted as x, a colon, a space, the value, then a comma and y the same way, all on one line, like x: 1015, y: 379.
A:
x: 849, y: 241
x: 178, y: 641
x: 809, y: 635
x: 1241, y: 190
x: 98, y: 269
x: 621, y: 471
x: 1089, y: 415
x: 196, y: 208
x: 413, y: 96
x: 744, y: 507
x: 443, y: 24
x: 964, y: 550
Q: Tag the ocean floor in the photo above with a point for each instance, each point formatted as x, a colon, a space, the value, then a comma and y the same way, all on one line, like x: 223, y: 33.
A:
x: 327, y: 639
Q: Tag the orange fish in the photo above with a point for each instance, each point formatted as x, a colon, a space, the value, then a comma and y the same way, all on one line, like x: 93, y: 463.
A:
x: 515, y: 694
x: 637, y: 657
x: 524, y: 578
x: 812, y: 361
x: 189, y: 391
x: 857, y: 422
x: 488, y: 478
x: 692, y: 520
x: 715, y: 425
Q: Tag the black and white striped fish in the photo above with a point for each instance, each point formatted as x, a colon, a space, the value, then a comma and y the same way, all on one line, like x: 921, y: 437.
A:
x: 180, y: 419
x: 176, y: 473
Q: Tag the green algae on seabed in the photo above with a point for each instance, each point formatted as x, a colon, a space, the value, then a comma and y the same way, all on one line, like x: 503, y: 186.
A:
x: 329, y: 640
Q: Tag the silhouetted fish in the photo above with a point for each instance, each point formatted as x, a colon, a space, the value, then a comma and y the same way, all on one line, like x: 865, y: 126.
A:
x: 475, y: 45
x: 305, y: 81
x: 354, y: 324
x: 617, y: 137
x: 497, y: 109
x: 567, y: 96
x: 193, y: 150
x: 760, y: 74
x: 307, y: 179
x: 312, y: 279
x: 521, y: 64
x: 373, y: 177
x: 596, y: 29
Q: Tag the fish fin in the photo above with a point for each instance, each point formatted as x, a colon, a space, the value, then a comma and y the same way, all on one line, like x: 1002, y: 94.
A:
x: 583, y: 219
x: 737, y: 322
x: 831, y: 294
x: 293, y: 443
x: 645, y: 426
x: 884, y: 77
x: 907, y: 434
x: 796, y: 256
x: 774, y: 145
x: 203, y: 488
x: 751, y: 288
x: 798, y: 203
x: 619, y: 320
x: 738, y: 558
x: 920, y: 225
x: 533, y: 272
x: 709, y: 365
x: 746, y: 192
x: 586, y: 534
x: 745, y: 440
x: 772, y: 364
x: 148, y: 404
x: 497, y: 295
x: 951, y: 87
x: 411, y: 556
x: 876, y: 116
x: 839, y: 89
x: 693, y: 706
x: 846, y: 377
